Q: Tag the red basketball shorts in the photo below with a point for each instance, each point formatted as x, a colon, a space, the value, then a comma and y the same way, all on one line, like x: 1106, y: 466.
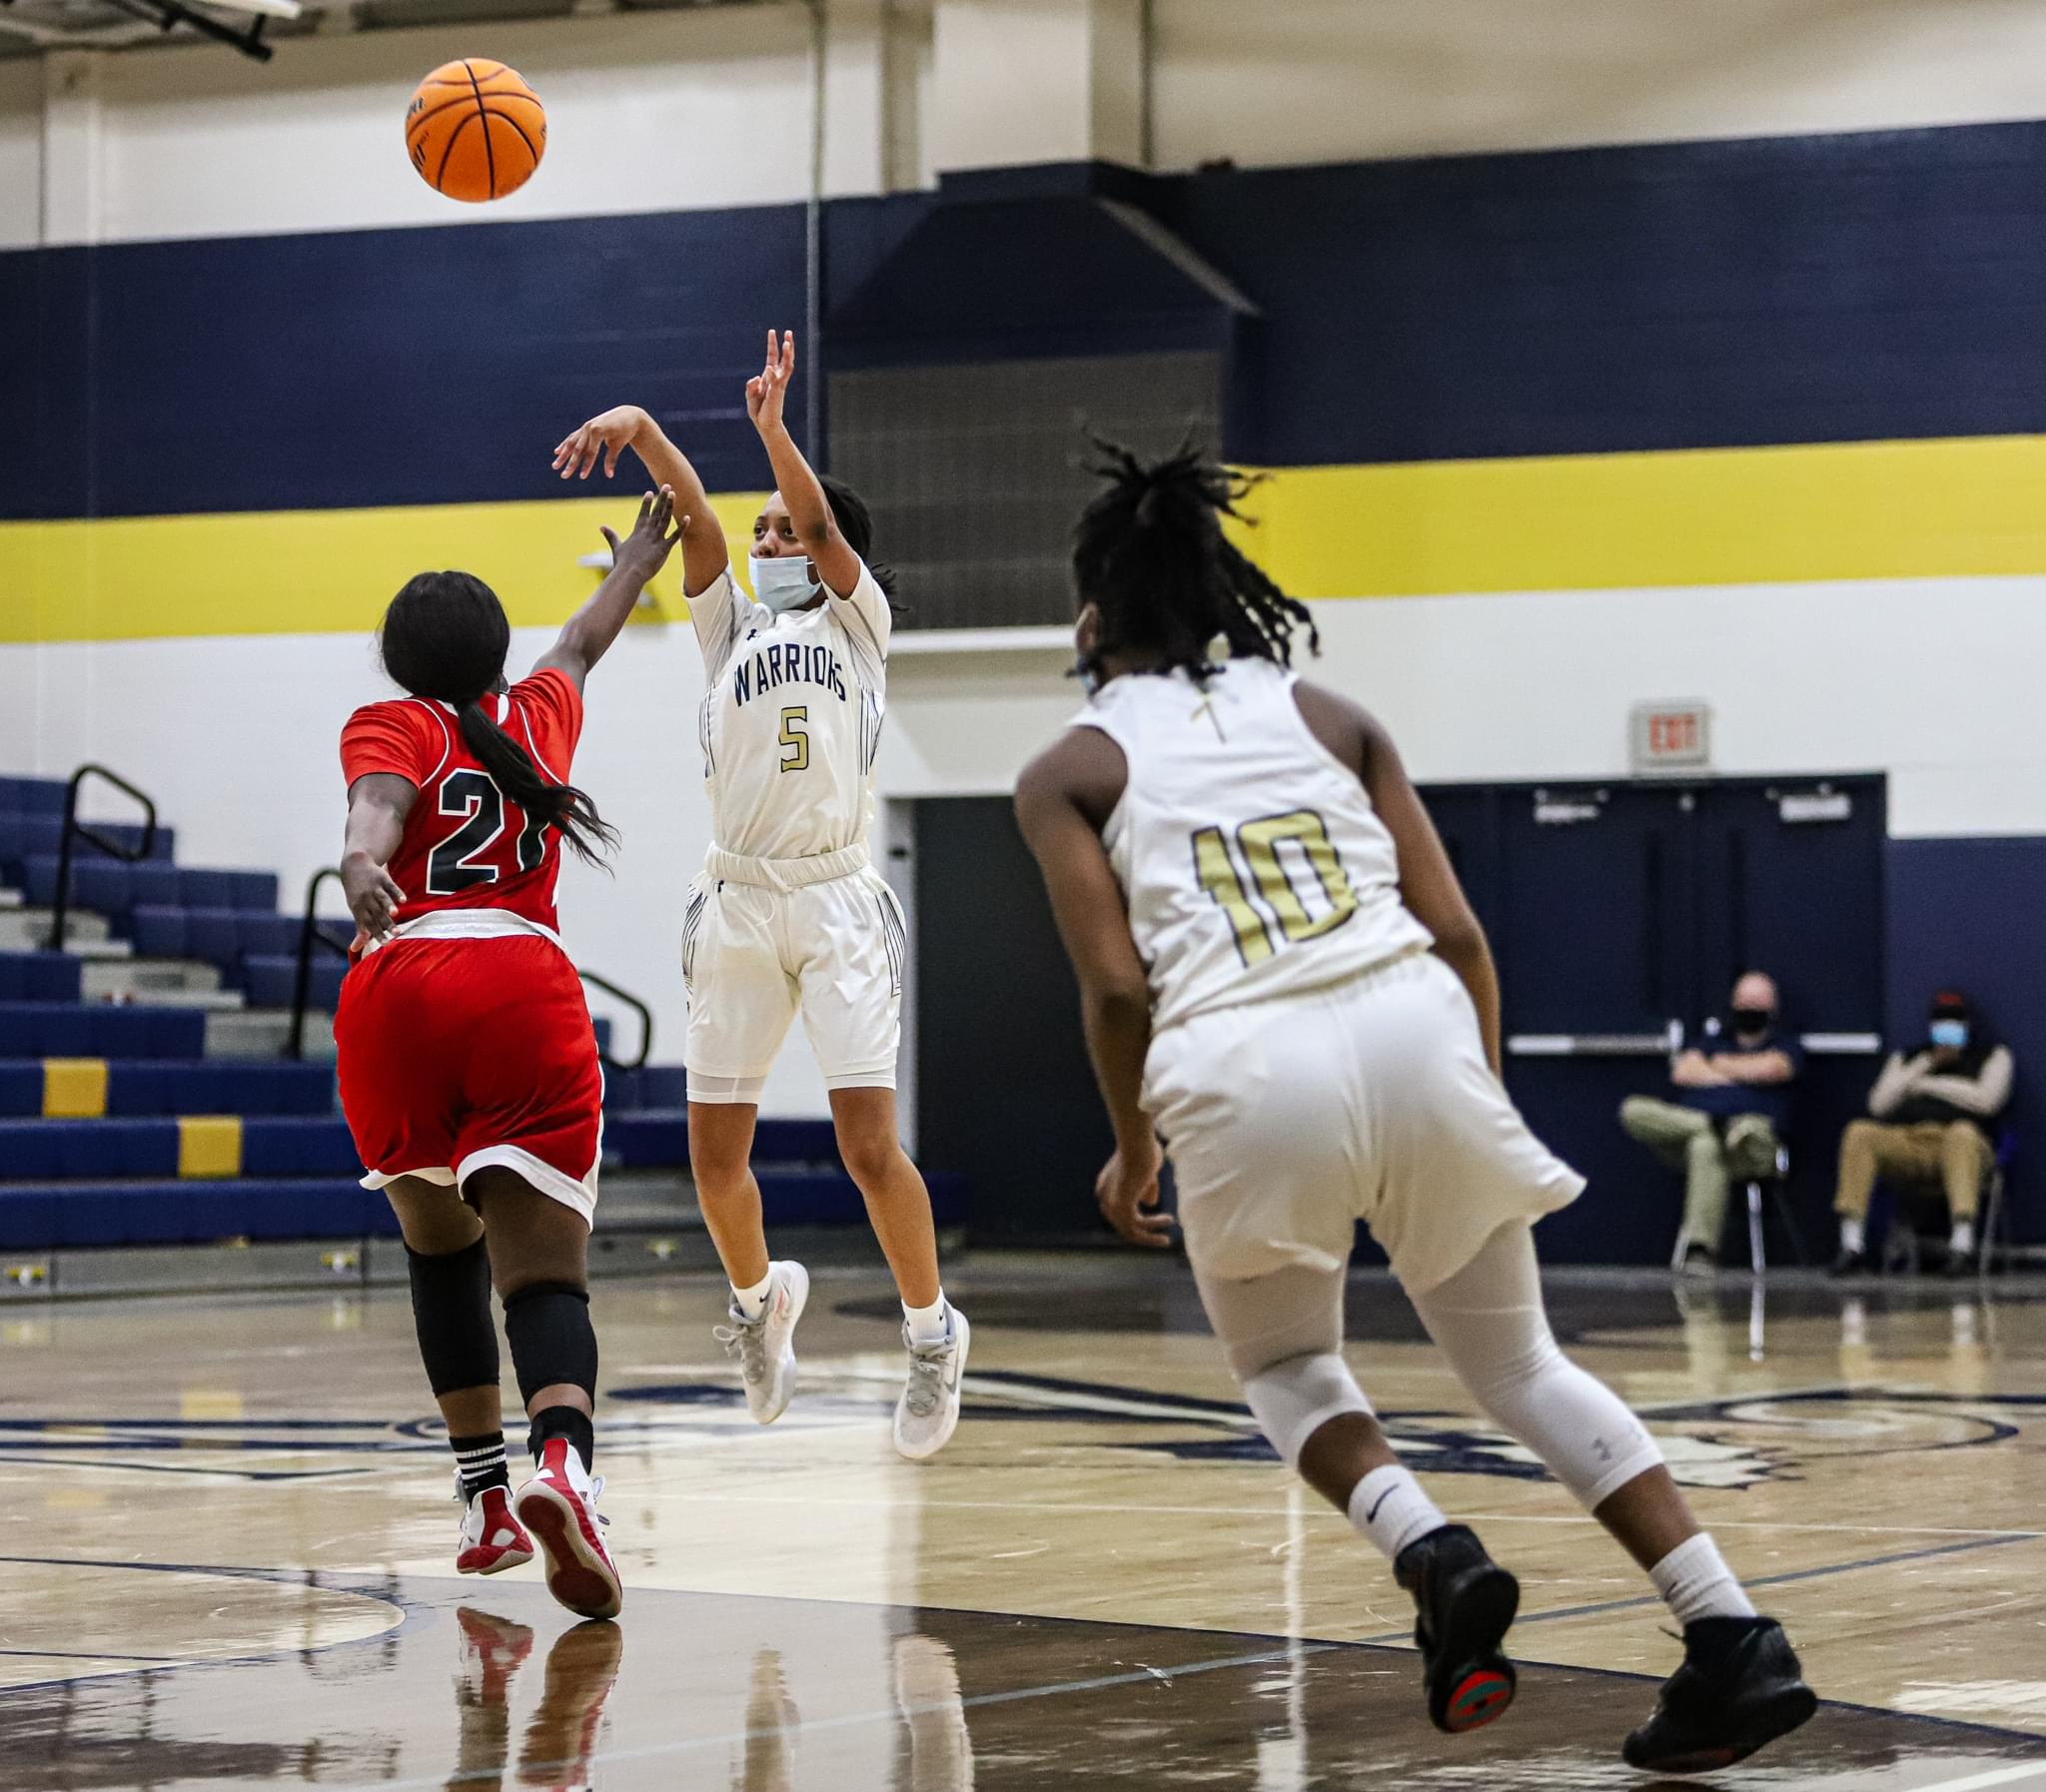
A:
x: 460, y: 1054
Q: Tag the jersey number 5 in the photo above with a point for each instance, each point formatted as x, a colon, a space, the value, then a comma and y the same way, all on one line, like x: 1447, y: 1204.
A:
x: 1258, y: 844
x: 458, y: 864
x: 795, y: 739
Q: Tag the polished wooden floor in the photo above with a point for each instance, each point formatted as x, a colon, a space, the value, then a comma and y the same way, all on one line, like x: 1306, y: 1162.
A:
x: 227, y: 1550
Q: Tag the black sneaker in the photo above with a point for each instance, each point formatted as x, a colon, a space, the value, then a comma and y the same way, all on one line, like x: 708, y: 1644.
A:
x: 1739, y: 1687
x: 1849, y: 1262
x: 1466, y: 1604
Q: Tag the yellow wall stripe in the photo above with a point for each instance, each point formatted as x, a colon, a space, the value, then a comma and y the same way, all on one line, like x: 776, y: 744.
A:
x: 1881, y: 509
x: 74, y: 1088
x: 209, y: 1146
x: 310, y: 571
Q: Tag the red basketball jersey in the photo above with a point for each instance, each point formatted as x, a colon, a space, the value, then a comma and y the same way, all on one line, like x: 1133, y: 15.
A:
x: 466, y: 844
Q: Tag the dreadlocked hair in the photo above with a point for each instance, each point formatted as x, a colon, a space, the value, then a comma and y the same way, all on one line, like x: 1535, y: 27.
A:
x: 1150, y: 554
x: 446, y: 637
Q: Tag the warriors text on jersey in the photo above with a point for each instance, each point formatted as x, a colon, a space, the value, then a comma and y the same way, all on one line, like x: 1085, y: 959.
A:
x: 791, y: 719
x: 466, y: 844
x: 1253, y: 862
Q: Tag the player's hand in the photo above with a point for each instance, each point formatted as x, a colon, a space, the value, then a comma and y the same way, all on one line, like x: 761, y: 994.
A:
x: 374, y: 897
x: 768, y: 388
x: 603, y: 437
x: 1127, y: 1189
x: 644, y: 552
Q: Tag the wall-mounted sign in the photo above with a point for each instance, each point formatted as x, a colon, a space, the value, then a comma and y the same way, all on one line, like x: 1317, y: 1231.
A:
x: 1671, y: 738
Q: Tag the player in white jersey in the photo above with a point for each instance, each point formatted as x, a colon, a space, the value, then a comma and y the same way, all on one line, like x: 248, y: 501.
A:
x: 1281, y: 975
x: 789, y: 916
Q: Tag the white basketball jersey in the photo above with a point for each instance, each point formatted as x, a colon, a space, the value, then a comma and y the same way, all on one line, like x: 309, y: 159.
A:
x: 1253, y: 862
x: 791, y: 719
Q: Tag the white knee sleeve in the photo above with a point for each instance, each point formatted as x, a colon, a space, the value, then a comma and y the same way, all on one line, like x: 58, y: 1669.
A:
x: 1283, y: 1335
x: 1488, y: 1320
x: 1293, y: 1400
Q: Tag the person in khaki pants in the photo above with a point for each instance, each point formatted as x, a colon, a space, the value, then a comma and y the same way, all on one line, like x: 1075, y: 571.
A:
x: 1932, y: 1109
x: 1727, y: 1117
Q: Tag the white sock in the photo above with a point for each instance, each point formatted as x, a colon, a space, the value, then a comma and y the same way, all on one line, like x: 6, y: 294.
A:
x: 752, y: 1301
x: 1388, y: 1508
x: 1851, y: 1235
x: 1962, y: 1244
x: 926, y: 1323
x: 1695, y: 1582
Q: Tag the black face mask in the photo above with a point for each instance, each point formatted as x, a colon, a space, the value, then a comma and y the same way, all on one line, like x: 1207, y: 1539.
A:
x: 1751, y: 1021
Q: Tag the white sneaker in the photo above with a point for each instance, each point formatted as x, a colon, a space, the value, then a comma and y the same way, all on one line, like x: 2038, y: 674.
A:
x: 928, y: 1411
x: 764, y: 1349
x: 558, y: 1506
x: 492, y: 1540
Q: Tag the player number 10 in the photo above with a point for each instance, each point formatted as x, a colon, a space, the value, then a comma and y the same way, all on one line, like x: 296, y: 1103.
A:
x: 1259, y: 842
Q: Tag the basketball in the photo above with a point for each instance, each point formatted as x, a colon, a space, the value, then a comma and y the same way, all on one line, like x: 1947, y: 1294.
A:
x: 475, y: 130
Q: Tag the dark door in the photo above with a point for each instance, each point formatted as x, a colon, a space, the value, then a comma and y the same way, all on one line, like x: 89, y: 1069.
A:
x: 1004, y: 1092
x: 1596, y: 907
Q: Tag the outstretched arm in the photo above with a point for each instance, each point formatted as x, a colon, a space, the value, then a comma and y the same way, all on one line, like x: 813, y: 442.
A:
x: 377, y: 809
x: 809, y: 510
x: 586, y: 637
x: 606, y: 436
x: 1114, y: 995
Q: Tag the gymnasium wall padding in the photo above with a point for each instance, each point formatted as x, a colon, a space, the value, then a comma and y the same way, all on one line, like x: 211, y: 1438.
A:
x: 1880, y: 287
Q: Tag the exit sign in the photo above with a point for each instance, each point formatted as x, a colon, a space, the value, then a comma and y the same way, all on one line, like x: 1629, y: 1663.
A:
x: 1671, y: 736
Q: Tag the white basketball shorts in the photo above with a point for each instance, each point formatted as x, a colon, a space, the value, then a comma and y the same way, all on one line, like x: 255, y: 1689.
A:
x: 754, y: 958
x: 1288, y: 1121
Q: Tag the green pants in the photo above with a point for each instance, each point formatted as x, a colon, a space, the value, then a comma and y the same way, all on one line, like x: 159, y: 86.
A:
x: 1687, y: 1140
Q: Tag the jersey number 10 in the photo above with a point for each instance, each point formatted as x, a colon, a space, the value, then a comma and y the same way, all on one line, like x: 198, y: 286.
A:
x: 1258, y: 843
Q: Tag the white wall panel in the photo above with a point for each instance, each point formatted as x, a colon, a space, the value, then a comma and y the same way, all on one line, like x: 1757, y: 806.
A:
x: 21, y: 153
x: 1342, y: 80
x: 1933, y: 682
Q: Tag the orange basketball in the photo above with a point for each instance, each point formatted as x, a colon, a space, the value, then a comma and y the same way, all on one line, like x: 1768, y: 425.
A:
x: 475, y: 130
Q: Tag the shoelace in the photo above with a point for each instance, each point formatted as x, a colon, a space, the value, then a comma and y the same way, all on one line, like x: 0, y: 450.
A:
x: 746, y: 1344
x: 927, y: 1364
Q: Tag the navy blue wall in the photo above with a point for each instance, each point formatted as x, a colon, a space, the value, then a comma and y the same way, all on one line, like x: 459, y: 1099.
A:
x: 1970, y: 914
x: 1675, y: 296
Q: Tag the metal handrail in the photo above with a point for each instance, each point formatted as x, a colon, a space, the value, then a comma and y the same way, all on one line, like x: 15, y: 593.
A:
x: 309, y: 935
x: 74, y: 829
x: 638, y: 1006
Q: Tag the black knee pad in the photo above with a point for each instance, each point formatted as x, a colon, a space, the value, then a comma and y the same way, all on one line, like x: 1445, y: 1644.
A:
x: 451, y: 1310
x: 552, y: 1337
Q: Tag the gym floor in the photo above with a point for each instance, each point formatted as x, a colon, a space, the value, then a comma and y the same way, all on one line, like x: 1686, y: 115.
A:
x: 228, y: 1549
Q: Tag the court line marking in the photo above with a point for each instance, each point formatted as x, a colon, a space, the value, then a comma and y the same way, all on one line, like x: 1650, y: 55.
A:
x: 1996, y: 1776
x: 93, y: 1655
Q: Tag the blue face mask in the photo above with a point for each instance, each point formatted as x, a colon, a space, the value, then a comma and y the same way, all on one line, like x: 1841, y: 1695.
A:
x: 1952, y: 1035
x: 782, y: 582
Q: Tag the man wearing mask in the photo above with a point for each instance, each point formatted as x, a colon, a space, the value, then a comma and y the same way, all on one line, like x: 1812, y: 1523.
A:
x: 1729, y: 1107
x: 1932, y: 1112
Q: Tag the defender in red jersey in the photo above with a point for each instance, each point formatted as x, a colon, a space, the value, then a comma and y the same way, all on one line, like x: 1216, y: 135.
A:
x: 467, y: 1064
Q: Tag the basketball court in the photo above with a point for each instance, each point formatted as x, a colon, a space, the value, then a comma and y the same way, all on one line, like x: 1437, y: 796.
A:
x: 228, y: 1537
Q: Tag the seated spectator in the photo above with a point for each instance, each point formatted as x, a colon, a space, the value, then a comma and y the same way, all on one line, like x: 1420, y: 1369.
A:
x: 1932, y: 1112
x: 1728, y: 1115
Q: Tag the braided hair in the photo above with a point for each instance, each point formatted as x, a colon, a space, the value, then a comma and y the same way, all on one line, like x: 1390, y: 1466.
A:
x: 1150, y: 554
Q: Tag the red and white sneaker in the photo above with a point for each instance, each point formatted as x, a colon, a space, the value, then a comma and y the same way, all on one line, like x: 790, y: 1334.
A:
x: 492, y: 1540
x: 558, y: 1505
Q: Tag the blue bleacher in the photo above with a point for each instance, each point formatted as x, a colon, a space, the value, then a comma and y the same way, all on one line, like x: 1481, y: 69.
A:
x: 113, y: 1180
x: 85, y: 1030
x: 66, y: 1215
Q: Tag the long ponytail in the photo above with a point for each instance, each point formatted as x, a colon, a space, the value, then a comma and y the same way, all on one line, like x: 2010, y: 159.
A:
x: 446, y: 637
x: 512, y: 769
